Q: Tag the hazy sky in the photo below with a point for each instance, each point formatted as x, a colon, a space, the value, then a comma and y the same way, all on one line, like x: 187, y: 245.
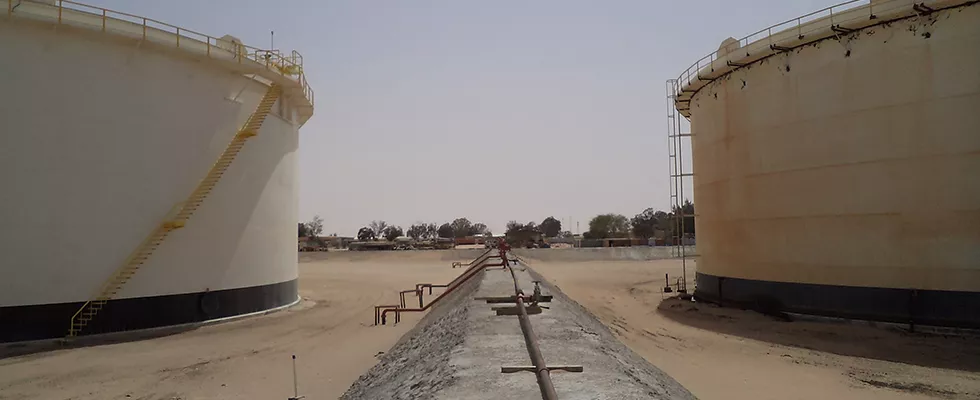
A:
x: 493, y: 110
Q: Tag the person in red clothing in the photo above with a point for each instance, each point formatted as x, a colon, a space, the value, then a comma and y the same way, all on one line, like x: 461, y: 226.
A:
x: 503, y: 247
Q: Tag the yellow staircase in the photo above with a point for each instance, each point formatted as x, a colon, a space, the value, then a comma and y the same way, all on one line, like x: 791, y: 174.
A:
x: 176, y: 218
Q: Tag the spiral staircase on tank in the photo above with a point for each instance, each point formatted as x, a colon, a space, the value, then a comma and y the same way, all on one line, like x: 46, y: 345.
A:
x: 177, y: 218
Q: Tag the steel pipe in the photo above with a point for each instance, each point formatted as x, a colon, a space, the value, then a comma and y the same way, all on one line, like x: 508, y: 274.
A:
x: 540, y: 367
x: 471, y: 272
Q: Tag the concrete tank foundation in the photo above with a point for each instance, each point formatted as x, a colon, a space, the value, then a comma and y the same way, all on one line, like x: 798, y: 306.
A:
x: 457, y: 350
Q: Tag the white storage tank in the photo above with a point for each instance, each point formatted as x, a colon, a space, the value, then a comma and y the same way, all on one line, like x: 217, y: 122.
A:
x: 108, y: 124
x: 837, y: 164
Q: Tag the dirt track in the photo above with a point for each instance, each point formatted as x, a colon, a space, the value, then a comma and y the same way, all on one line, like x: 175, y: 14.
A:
x: 731, y: 354
x: 330, y: 332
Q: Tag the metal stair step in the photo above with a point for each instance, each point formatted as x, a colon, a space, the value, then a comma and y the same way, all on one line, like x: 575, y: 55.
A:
x: 116, y: 282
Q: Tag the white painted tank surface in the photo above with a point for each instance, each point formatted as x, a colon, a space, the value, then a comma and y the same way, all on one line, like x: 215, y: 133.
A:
x: 106, y: 124
x: 837, y: 164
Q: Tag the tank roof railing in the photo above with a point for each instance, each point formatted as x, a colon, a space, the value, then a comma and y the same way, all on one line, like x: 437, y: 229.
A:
x: 818, y: 25
x: 271, y: 63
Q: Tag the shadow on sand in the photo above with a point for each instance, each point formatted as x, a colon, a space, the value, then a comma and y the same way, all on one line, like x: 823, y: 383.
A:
x: 959, y: 350
x: 39, y: 347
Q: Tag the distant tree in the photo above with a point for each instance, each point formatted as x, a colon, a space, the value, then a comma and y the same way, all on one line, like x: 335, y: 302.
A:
x: 445, y: 231
x: 315, y: 226
x: 461, y: 227
x: 683, y: 213
x: 303, y: 231
x: 518, y: 234
x: 649, y: 222
x: 644, y: 224
x: 532, y: 226
x: 608, y: 226
x: 365, y: 234
x: 378, y: 227
x: 431, y: 231
x: 550, y: 227
x: 688, y: 208
x: 565, y: 234
x: 392, y: 232
x: 478, y: 229
x: 416, y: 231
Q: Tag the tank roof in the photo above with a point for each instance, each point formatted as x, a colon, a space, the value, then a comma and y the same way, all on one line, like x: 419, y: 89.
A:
x: 818, y: 25
x: 272, y: 65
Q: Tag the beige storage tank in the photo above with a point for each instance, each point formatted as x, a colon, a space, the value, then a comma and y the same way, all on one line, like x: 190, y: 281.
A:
x: 837, y: 164
x: 134, y: 193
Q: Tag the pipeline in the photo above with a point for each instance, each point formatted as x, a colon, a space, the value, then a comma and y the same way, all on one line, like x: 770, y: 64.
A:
x: 482, y: 258
x: 381, y: 312
x: 477, y: 260
x: 531, y: 341
x: 473, y: 264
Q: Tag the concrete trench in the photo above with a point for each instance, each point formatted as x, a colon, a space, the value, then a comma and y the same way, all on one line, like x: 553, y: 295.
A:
x: 456, y: 351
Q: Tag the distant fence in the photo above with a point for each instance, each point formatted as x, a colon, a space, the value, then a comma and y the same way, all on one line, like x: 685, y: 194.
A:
x: 618, y: 242
x: 637, y: 253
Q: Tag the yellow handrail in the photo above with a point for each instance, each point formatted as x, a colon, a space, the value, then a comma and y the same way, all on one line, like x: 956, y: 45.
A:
x: 71, y: 326
x: 288, y: 66
x: 95, y: 295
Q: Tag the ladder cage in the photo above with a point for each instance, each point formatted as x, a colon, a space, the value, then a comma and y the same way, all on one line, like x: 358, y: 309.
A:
x: 679, y: 139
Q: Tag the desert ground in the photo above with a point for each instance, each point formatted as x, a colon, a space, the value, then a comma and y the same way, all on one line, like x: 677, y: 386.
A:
x: 716, y: 353
x: 330, y: 332
x: 721, y: 353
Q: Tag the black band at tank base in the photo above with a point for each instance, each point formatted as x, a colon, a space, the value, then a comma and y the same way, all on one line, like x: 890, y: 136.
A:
x: 908, y: 306
x: 48, y: 321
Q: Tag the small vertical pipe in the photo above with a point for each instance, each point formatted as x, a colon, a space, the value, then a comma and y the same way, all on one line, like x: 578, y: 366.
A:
x: 721, y: 299
x: 60, y: 6
x: 913, y: 297
x: 178, y: 37
x: 295, y: 383
x: 144, y: 28
x: 103, y: 20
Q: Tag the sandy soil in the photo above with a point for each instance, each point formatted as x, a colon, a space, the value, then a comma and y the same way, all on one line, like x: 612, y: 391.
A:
x: 716, y: 353
x: 330, y: 332
x: 720, y: 353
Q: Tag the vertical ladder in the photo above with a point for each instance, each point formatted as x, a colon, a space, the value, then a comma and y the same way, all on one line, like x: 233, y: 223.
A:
x: 678, y: 133
x: 176, y: 218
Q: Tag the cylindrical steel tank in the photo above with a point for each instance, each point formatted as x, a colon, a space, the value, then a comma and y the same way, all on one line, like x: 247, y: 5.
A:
x: 105, y: 125
x: 837, y: 165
